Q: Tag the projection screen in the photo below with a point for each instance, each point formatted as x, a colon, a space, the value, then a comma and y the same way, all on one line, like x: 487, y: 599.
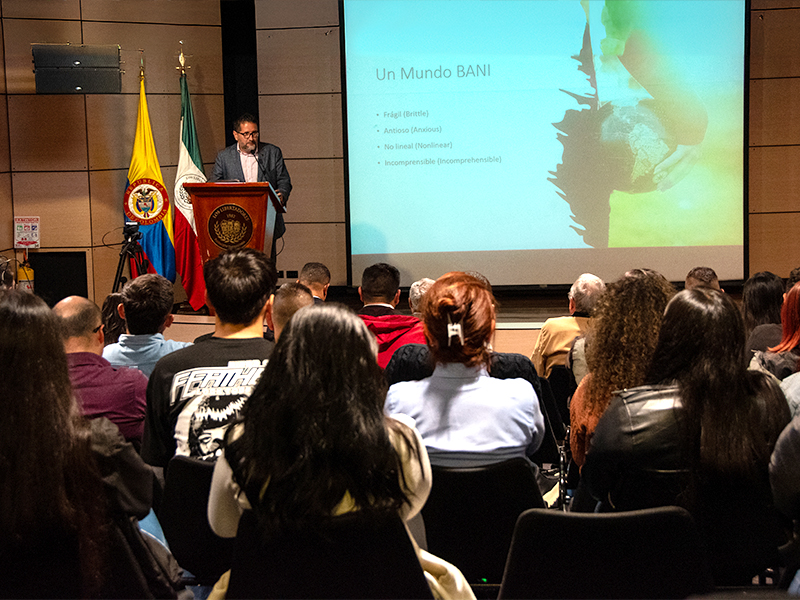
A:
x: 534, y: 141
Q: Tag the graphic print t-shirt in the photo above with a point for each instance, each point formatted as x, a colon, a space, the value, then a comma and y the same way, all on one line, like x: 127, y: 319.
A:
x: 195, y: 394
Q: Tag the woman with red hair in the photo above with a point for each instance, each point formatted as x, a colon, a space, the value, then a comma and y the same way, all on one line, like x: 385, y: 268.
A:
x: 782, y: 360
x: 467, y: 418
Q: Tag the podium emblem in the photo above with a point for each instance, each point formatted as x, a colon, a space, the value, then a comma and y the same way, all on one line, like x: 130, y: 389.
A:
x: 230, y: 226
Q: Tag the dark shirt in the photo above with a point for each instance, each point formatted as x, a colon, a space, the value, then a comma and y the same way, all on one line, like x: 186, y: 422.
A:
x: 377, y: 310
x: 120, y: 395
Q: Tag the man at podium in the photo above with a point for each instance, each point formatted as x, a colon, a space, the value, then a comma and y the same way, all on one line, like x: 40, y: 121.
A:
x: 249, y: 160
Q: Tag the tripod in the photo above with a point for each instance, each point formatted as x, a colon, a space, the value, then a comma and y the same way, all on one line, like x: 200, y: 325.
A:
x: 131, y: 249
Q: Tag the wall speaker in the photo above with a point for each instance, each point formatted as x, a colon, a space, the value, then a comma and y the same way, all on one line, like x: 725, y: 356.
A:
x: 68, y: 69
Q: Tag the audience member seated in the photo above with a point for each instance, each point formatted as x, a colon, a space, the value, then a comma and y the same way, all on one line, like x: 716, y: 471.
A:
x: 557, y: 334
x: 794, y: 277
x: 287, y: 300
x: 762, y: 298
x: 146, y: 308
x: 113, y: 323
x: 380, y: 293
x: 317, y: 278
x: 314, y: 441
x: 698, y: 434
x: 195, y: 393
x: 782, y: 360
x: 702, y: 277
x: 466, y: 417
x: 102, y: 390
x: 627, y: 322
x: 416, y: 293
x: 65, y: 478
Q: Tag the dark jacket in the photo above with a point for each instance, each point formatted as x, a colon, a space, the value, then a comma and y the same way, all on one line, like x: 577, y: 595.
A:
x: 638, y: 459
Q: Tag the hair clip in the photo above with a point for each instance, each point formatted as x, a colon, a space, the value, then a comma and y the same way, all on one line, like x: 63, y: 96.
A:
x: 454, y: 330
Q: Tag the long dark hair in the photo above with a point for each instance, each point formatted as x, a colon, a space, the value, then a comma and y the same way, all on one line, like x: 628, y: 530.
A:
x: 733, y: 416
x: 762, y: 298
x: 314, y: 427
x: 51, y: 480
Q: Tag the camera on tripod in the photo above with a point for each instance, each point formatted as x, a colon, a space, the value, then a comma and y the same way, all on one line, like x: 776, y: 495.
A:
x: 131, y: 232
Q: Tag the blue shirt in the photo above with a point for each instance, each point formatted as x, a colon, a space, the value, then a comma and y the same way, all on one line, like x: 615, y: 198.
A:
x: 140, y: 351
x: 467, y: 418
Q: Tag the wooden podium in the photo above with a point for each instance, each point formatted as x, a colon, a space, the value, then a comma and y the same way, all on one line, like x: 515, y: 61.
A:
x: 233, y: 215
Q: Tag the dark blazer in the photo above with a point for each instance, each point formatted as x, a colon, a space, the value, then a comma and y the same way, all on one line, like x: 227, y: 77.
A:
x: 228, y: 166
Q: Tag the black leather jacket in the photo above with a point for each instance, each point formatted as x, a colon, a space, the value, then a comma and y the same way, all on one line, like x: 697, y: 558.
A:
x: 637, y: 459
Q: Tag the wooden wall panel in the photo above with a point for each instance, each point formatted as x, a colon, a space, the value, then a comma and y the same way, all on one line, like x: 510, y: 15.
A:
x: 107, y: 189
x: 19, y: 34
x: 301, y: 61
x: 304, y: 126
x: 47, y: 132
x: 162, y: 47
x: 5, y: 157
x: 774, y: 244
x: 103, y: 267
x: 42, y: 9
x: 774, y: 179
x: 773, y: 4
x: 774, y: 39
x: 178, y: 12
x: 6, y: 213
x: 774, y: 112
x: 62, y: 202
x: 319, y: 185
x: 276, y: 14
x: 318, y: 242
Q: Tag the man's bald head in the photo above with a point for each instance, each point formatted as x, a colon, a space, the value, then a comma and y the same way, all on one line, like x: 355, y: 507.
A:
x: 80, y: 321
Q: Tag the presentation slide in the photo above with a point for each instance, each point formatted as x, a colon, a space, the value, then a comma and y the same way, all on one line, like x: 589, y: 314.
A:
x: 536, y: 140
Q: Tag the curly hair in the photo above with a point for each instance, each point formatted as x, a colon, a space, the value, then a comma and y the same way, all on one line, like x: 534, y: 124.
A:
x: 627, y: 321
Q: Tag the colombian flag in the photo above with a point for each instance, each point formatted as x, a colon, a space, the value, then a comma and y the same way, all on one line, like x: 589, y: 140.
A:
x: 190, y: 170
x: 146, y: 199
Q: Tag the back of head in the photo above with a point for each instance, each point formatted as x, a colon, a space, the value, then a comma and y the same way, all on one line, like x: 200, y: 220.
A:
x: 147, y: 300
x: 702, y: 331
x: 417, y: 292
x: 314, y: 273
x: 790, y: 321
x: 289, y: 298
x: 79, y: 317
x: 702, y: 277
x: 317, y: 416
x: 113, y: 323
x: 731, y: 412
x: 627, y: 321
x: 762, y: 298
x: 586, y: 291
x: 379, y: 283
x: 239, y: 283
x: 41, y: 430
x: 794, y: 277
x: 31, y: 349
x: 458, y: 316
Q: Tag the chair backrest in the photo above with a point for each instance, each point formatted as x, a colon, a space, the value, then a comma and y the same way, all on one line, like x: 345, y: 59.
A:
x: 652, y: 553
x: 352, y: 556
x: 184, y: 518
x: 562, y: 383
x: 471, y: 512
